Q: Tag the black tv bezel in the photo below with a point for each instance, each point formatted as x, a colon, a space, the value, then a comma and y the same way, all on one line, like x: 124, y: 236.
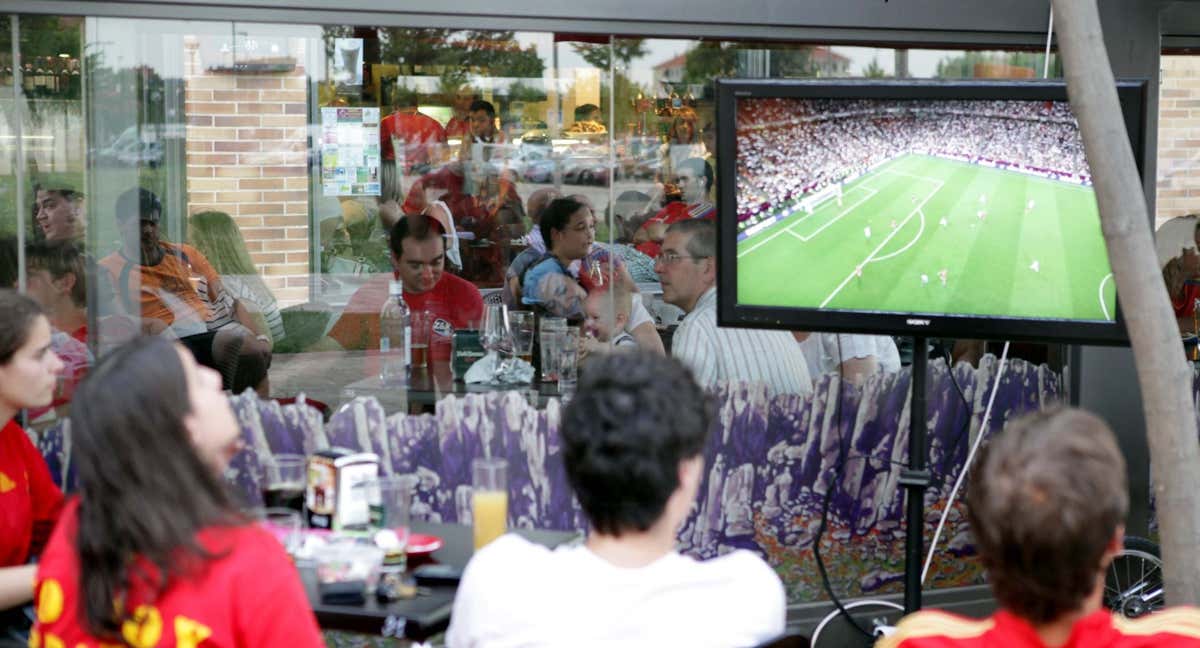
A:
x: 1132, y: 96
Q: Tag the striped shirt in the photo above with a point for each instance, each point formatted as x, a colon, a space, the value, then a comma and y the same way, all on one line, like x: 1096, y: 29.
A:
x: 719, y: 355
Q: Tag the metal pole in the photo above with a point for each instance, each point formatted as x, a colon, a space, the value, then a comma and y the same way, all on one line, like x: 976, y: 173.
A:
x: 14, y: 22
x: 915, y: 479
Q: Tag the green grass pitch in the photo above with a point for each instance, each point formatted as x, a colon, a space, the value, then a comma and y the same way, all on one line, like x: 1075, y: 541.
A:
x: 1047, y: 262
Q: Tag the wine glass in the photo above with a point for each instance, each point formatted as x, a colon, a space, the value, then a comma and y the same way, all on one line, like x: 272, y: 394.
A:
x: 497, y: 336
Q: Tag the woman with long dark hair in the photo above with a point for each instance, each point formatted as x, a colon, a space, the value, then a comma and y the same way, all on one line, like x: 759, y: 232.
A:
x: 154, y: 551
x: 29, y: 500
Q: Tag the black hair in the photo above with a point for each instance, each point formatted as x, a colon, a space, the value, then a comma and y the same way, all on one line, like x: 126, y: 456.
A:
x: 485, y: 106
x: 58, y: 258
x: 17, y: 314
x: 556, y: 216
x: 418, y: 227
x: 144, y: 491
x: 701, y: 168
x: 139, y: 201
x: 585, y: 111
x: 633, y: 420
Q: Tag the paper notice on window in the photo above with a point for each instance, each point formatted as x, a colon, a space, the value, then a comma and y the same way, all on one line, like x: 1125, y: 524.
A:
x: 350, y: 156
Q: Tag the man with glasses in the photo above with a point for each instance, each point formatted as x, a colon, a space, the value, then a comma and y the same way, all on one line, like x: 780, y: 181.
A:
x: 694, y: 179
x: 687, y: 268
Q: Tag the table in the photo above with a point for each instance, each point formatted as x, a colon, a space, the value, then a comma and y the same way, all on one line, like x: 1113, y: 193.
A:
x: 427, y: 614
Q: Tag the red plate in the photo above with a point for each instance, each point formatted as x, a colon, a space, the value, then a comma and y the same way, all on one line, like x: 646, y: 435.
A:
x: 420, y: 543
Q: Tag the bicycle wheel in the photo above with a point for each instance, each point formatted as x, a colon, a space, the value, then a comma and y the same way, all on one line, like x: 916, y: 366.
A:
x: 1133, y: 585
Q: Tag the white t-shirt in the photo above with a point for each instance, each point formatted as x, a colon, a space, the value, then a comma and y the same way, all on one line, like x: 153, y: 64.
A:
x: 825, y: 352
x: 516, y: 593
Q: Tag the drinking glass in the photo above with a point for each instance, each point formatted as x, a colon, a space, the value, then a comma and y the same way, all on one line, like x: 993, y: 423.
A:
x: 496, y: 335
x: 568, y: 361
x: 281, y: 478
x: 489, y: 499
x: 395, y: 502
x: 549, y: 341
x: 521, y: 323
x: 422, y: 323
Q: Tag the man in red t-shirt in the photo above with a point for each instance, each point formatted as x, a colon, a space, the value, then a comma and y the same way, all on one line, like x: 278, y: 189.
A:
x: 418, y: 258
x: 422, y: 135
x: 1047, y: 505
x: 694, y: 179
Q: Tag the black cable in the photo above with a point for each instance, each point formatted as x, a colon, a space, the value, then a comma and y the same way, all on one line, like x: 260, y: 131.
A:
x: 843, y: 456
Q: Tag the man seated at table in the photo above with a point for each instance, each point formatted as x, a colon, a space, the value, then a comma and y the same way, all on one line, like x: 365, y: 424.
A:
x: 418, y: 253
x: 687, y: 267
x: 174, y: 290
x: 1046, y: 504
x: 694, y: 179
x: 633, y: 439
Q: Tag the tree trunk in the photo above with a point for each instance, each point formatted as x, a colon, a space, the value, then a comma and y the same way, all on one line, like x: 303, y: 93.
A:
x: 1162, y: 371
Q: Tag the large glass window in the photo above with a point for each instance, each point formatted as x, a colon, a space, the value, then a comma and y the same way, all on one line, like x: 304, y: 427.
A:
x: 235, y: 185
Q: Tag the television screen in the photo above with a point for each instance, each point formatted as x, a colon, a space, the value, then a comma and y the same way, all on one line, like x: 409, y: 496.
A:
x: 961, y: 209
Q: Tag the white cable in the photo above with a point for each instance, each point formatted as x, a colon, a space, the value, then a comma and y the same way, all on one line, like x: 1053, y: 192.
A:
x: 987, y: 414
x: 1049, y: 35
x: 832, y: 615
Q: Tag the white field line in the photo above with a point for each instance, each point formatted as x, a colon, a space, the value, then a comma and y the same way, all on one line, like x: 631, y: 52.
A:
x: 1104, y: 308
x: 790, y: 226
x: 910, y: 243
x: 837, y: 218
x: 802, y: 239
x: 879, y: 247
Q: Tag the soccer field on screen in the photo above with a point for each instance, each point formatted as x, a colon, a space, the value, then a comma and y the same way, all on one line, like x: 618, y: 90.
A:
x: 909, y: 237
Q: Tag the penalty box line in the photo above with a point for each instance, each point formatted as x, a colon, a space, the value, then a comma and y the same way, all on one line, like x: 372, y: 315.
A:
x: 788, y: 229
x: 884, y: 243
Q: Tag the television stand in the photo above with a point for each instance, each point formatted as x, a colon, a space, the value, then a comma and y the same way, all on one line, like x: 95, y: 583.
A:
x: 915, y: 478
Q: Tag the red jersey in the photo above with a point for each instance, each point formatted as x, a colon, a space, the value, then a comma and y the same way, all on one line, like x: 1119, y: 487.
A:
x: 29, y: 500
x: 1171, y: 628
x: 454, y: 302
x: 249, y: 595
x: 460, y: 128
x: 673, y: 213
x: 416, y: 130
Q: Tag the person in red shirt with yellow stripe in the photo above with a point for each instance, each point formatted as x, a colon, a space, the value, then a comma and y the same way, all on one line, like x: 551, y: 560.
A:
x: 1046, y: 504
x: 29, y: 500
x: 154, y: 552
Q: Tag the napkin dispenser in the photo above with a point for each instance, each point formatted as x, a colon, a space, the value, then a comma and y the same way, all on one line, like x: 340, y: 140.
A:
x: 331, y: 497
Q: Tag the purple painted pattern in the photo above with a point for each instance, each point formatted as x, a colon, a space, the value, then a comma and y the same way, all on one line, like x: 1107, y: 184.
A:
x: 769, y: 465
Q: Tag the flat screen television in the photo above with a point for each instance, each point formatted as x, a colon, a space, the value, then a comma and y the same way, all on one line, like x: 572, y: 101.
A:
x: 961, y: 209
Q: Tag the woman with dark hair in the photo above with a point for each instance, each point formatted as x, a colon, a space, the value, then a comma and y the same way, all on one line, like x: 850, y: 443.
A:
x: 29, y: 500
x: 169, y: 559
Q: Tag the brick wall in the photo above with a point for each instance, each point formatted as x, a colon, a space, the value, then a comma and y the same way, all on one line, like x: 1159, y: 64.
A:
x: 1179, y: 138
x: 247, y: 156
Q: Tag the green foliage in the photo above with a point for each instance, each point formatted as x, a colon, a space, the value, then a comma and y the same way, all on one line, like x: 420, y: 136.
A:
x: 874, y: 70
x: 624, y: 49
x: 709, y: 60
x: 963, y: 65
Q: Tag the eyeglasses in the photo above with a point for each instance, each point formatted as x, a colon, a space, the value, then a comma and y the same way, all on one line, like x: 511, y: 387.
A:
x: 671, y: 258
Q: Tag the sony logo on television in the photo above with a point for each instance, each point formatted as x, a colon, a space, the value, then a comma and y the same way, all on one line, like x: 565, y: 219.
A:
x: 912, y: 321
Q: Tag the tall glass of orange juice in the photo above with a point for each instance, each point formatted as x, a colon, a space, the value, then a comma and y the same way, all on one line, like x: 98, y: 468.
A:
x: 489, y: 499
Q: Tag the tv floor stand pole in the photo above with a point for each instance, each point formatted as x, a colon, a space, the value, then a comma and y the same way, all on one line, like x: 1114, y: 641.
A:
x: 915, y: 479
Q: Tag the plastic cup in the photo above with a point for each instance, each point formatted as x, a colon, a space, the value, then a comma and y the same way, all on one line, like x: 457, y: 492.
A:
x: 489, y: 499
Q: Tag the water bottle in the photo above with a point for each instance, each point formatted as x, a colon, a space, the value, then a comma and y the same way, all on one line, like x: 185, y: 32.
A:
x: 395, y: 337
